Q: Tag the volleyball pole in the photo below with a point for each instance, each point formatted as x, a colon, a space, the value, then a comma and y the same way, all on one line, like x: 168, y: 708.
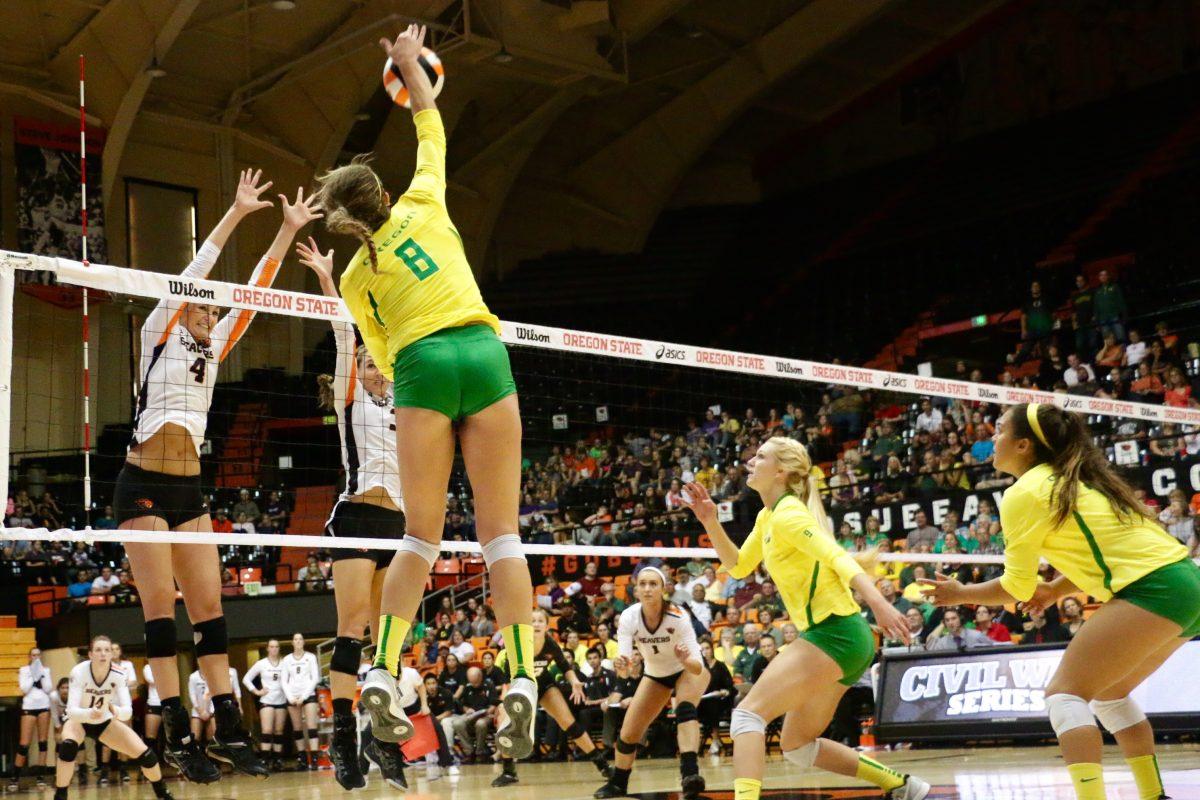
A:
x: 87, y: 375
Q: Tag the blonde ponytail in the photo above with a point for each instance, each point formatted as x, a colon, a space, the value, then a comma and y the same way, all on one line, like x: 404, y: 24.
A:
x: 797, y: 463
x: 354, y: 202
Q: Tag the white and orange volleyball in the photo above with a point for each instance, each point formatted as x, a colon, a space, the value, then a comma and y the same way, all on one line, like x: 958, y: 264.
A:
x: 394, y: 83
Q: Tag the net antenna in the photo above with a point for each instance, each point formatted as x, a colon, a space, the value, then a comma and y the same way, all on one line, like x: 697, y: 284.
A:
x: 86, y: 333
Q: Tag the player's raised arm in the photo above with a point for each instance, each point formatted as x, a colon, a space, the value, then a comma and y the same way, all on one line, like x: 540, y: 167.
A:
x: 404, y: 52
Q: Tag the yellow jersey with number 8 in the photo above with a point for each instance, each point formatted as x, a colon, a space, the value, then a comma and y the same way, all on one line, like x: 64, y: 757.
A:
x: 424, y: 283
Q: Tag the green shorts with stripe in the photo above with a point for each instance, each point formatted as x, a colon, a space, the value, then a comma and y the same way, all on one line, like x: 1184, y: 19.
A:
x: 1172, y: 591
x: 848, y: 641
x: 457, y: 371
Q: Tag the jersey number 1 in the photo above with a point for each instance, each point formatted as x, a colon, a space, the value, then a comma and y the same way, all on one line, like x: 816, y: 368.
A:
x: 416, y: 259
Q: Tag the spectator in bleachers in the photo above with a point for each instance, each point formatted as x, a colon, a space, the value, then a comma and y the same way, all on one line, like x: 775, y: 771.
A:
x: 124, y: 591
x: 1071, y: 615
x: 922, y: 535
x: 246, y: 507
x: 312, y: 576
x: 493, y: 674
x: 951, y: 635
x: 699, y: 607
x: 82, y: 586
x: 243, y: 523
x: 1083, y: 315
x: 892, y: 483
x: 1037, y: 321
x: 1042, y: 628
x: 1178, y: 391
x: 1110, y: 308
x: 986, y: 624
x: 743, y: 662
x: 106, y: 521
x: 930, y: 418
x: 275, y: 516
x: 1147, y: 387
x: 1177, y: 518
x: 599, y: 683
x: 1135, y: 350
x: 1111, y: 353
x: 104, y: 582
x: 767, y: 654
x: 460, y: 648
x: 221, y: 522
x: 453, y: 675
x: 484, y: 622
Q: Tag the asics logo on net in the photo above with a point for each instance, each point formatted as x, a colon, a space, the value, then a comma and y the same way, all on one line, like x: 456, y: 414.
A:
x: 670, y: 353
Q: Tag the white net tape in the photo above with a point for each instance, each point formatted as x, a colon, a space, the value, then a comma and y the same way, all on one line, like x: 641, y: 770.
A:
x: 126, y: 281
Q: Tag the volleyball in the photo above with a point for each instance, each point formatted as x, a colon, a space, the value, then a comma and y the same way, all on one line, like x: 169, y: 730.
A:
x: 394, y: 83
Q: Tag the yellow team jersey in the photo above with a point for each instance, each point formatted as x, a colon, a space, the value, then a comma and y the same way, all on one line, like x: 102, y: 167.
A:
x: 424, y: 283
x: 809, y: 567
x: 1095, y: 550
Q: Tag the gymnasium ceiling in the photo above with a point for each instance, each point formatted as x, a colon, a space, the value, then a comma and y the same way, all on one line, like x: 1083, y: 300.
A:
x: 573, y: 122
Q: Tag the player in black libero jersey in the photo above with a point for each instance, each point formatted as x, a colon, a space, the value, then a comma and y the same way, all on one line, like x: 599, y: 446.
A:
x: 550, y: 697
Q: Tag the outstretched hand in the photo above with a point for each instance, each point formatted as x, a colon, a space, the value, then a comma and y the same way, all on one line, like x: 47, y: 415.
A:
x: 696, y: 497
x: 248, y: 200
x: 942, y: 590
x: 407, y: 46
x: 311, y: 256
x: 301, y: 212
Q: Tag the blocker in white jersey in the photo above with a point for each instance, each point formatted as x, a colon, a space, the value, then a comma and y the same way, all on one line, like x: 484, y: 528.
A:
x: 271, y: 676
x: 153, y: 702
x: 371, y: 505
x: 95, y: 700
x: 657, y: 645
x: 198, y: 693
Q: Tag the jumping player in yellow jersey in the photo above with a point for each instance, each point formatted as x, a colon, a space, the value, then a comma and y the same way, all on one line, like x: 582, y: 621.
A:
x: 792, y: 539
x: 414, y: 297
x: 1070, y: 507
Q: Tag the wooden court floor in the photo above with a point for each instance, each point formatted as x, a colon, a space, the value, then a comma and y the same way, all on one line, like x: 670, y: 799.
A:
x: 1002, y: 773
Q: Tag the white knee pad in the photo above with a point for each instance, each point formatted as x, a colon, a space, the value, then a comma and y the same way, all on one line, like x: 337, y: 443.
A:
x: 745, y: 721
x: 1117, y: 715
x: 804, y: 756
x: 428, y: 551
x: 1068, y: 712
x: 502, y: 547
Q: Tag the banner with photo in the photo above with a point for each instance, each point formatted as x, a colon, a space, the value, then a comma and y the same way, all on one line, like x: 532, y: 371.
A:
x: 896, y: 519
x: 49, y: 212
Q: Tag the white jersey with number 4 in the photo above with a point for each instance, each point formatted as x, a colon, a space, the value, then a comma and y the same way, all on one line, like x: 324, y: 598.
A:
x: 177, y: 371
x: 108, y: 693
x: 656, y: 645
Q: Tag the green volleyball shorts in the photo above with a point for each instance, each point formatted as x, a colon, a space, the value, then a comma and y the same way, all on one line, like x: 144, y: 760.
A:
x: 848, y: 641
x: 457, y: 371
x: 1172, y: 591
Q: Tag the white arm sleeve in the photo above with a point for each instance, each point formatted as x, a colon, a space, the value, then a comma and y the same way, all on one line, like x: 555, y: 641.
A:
x: 234, y: 684
x: 251, y: 674
x: 122, y: 705
x: 314, y: 673
x: 625, y: 630
x: 25, y: 680
x: 687, y: 637
x: 75, y: 709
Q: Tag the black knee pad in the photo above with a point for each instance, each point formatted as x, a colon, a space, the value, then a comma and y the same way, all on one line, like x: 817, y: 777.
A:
x: 67, y: 750
x: 312, y: 733
x: 42, y: 746
x: 160, y: 638
x: 297, y: 735
x: 685, y: 712
x: 23, y: 750
x: 210, y: 637
x: 347, y: 655
x: 575, y: 730
x: 148, y: 759
x: 628, y: 748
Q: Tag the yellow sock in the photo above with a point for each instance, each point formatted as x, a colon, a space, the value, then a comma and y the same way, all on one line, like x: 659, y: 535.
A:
x: 518, y: 642
x: 1147, y: 777
x: 392, y: 633
x: 872, y: 771
x: 1088, y: 780
x: 746, y: 789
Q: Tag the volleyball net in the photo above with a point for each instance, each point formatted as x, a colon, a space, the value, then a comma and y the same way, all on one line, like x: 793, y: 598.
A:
x: 613, y: 426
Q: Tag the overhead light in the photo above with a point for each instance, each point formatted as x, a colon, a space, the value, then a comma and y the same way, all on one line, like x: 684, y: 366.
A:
x: 503, y: 57
x: 155, y: 70
x: 283, y: 5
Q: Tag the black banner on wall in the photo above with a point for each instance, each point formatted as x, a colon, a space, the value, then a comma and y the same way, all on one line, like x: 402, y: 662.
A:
x: 896, y: 519
x: 570, y: 567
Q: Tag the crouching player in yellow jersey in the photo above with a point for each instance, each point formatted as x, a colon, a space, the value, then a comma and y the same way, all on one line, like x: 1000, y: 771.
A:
x: 1069, y: 506
x: 421, y: 316
x: 792, y: 539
